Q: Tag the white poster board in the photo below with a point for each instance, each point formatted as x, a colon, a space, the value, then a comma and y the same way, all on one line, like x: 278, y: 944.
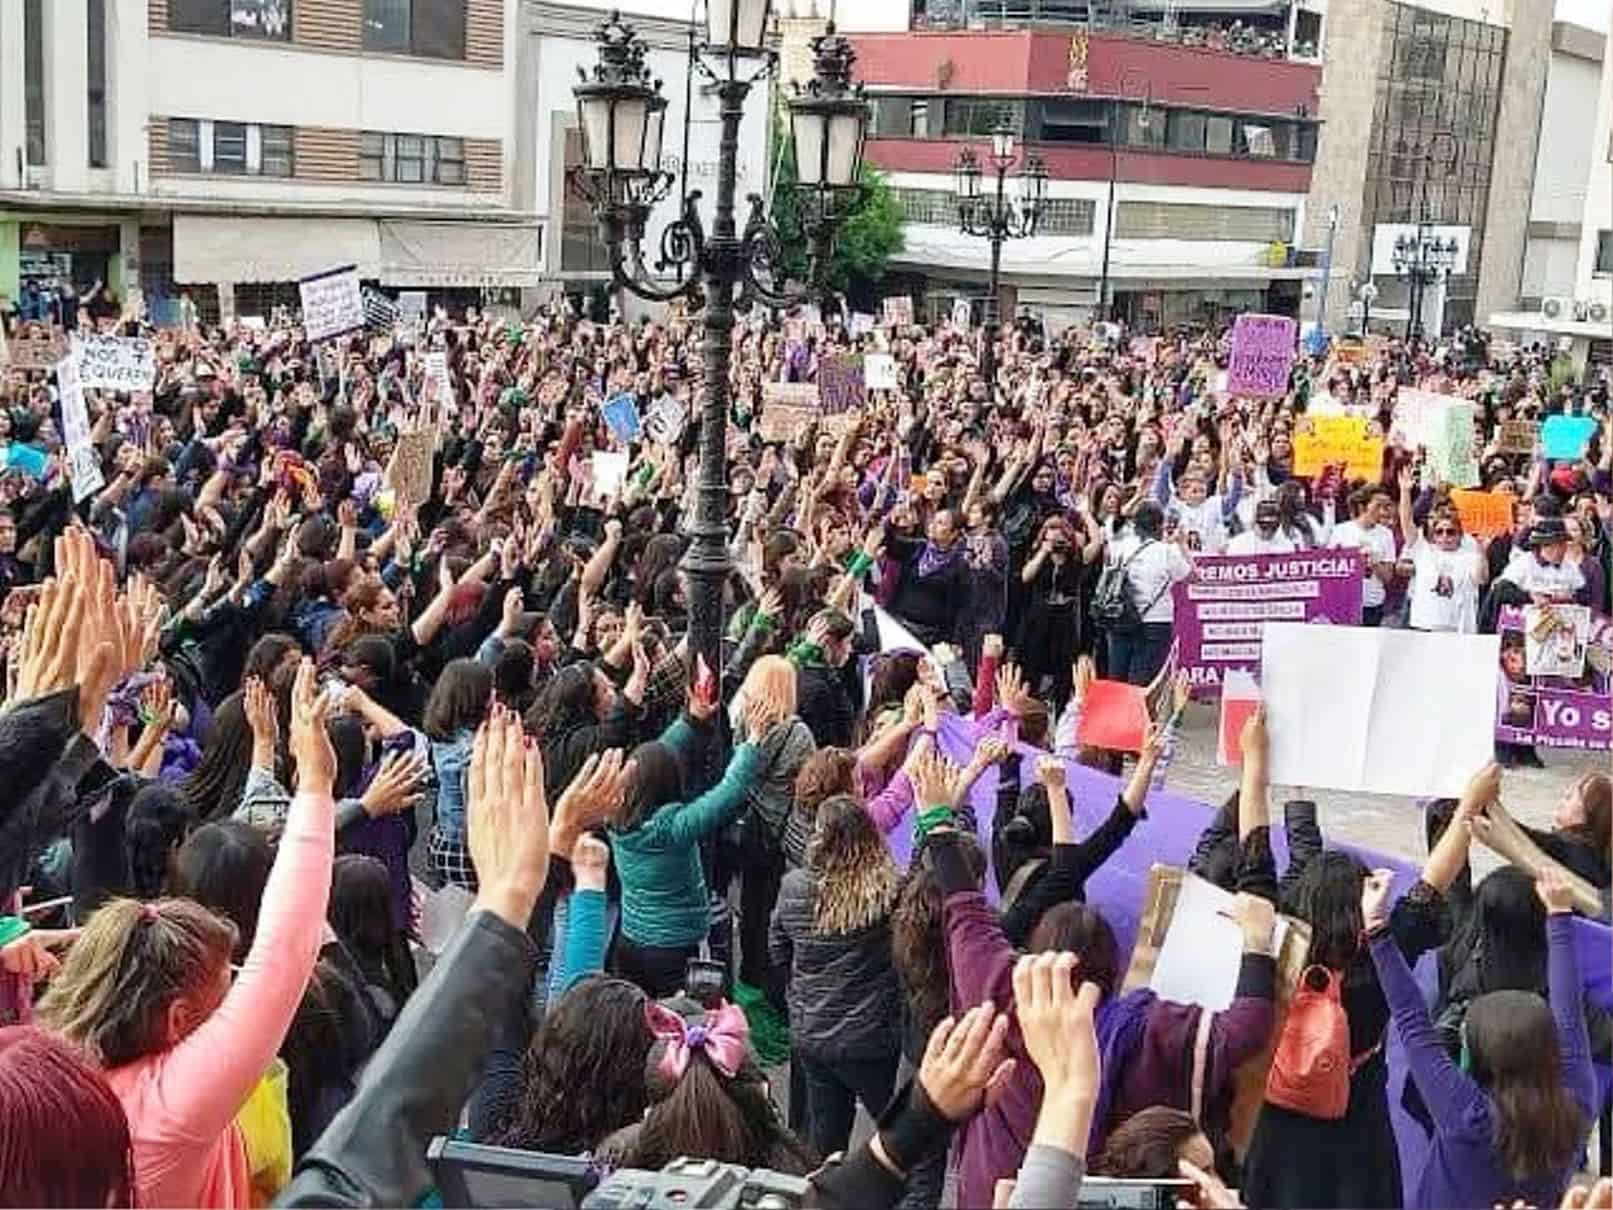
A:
x: 332, y: 303
x: 1378, y: 711
x: 116, y: 363
x: 411, y: 306
x: 1203, y: 948
x: 83, y: 467
x: 879, y: 371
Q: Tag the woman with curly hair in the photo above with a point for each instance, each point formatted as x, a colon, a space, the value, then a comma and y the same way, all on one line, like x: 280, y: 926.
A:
x: 832, y: 926
x: 583, y: 1075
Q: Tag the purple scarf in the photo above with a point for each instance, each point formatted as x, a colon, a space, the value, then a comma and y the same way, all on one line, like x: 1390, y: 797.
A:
x: 933, y: 559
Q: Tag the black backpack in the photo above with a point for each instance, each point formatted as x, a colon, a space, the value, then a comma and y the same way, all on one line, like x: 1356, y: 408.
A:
x: 1114, y: 605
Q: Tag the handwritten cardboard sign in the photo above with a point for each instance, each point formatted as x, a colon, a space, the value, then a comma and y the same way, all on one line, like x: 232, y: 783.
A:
x: 408, y: 474
x: 1323, y: 441
x: 879, y: 371
x: 1518, y: 437
x: 1262, y: 355
x: 841, y: 385
x: 332, y: 303
x: 117, y: 363
x: 898, y: 311
x: 1483, y: 514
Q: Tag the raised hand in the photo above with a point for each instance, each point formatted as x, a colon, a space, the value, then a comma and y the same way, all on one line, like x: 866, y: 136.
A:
x: 594, y: 796
x: 508, y: 818
x: 963, y: 1059
x: 395, y: 785
x: 310, y: 742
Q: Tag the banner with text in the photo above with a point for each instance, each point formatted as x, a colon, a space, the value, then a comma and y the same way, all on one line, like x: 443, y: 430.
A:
x: 1262, y: 355
x: 117, y: 363
x: 1220, y: 610
x: 332, y: 303
x: 1554, y: 711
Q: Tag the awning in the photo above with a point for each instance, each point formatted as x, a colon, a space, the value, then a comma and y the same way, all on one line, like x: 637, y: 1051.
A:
x: 417, y: 253
x: 1211, y: 6
x: 395, y: 252
x: 209, y: 248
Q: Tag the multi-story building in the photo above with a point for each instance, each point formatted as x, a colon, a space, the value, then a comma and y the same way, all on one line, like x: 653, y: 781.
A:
x: 228, y: 147
x: 1179, y: 148
x: 1566, y: 291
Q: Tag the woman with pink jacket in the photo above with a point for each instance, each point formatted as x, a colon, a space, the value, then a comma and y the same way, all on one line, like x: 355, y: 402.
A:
x: 148, y: 992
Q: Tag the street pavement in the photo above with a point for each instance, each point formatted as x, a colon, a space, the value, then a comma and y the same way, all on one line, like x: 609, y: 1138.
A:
x: 1383, y: 822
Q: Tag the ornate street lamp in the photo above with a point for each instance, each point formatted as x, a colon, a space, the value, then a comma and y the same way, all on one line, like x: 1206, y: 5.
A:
x: 999, y: 216
x: 621, y: 111
x: 1423, y: 259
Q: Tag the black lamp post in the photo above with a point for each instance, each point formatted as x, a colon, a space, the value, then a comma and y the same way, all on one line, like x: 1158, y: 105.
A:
x: 1423, y: 259
x: 621, y: 111
x: 999, y: 216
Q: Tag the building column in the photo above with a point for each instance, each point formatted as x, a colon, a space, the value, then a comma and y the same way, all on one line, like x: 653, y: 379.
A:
x: 1512, y: 168
x: 1349, y: 93
x: 67, y: 98
x: 128, y: 43
x: 13, y: 129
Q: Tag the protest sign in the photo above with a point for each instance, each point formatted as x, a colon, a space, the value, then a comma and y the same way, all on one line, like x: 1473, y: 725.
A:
x: 620, y: 413
x: 435, y: 388
x: 1555, y: 638
x: 1349, y: 353
x: 1554, y: 712
x: 1483, y: 514
x: 411, y: 306
x: 962, y: 315
x: 665, y: 420
x: 879, y: 371
x: 1565, y: 437
x: 408, y: 473
x: 841, y: 387
x: 1114, y: 715
x: 1517, y: 437
x: 83, y: 467
x: 609, y: 472
x: 1323, y: 441
x: 117, y: 363
x: 897, y: 311
x: 1262, y: 355
x: 1452, y: 453
x: 1202, y: 952
x: 1220, y: 610
x: 1377, y: 711
x: 1416, y: 413
x: 860, y: 324
x: 784, y: 422
x: 1240, y: 697
x: 38, y: 347
x: 332, y: 303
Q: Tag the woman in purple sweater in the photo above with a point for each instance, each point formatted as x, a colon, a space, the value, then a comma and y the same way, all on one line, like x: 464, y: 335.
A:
x: 1142, y: 1039
x: 1510, y: 1122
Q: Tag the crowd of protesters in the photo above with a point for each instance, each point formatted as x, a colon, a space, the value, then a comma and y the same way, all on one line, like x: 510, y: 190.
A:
x: 271, y: 717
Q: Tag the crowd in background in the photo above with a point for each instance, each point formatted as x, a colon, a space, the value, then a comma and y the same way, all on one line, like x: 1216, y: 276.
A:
x: 269, y: 718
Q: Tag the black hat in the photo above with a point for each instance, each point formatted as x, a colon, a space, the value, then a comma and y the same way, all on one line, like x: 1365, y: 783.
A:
x: 1546, y: 532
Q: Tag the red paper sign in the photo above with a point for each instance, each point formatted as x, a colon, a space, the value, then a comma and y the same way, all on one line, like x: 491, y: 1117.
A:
x: 1114, y: 715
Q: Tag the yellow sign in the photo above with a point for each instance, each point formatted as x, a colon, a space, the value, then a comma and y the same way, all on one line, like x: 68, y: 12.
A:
x: 1323, y: 441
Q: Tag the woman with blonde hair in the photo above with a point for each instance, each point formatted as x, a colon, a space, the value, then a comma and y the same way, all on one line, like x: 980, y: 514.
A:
x: 770, y: 686
x: 149, y: 994
x: 832, y: 926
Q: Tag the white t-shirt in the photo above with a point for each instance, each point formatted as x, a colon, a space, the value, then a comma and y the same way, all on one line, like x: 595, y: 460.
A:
x: 1560, y: 580
x: 1156, y: 566
x: 1378, y: 545
x: 1206, y: 519
x: 1444, y: 587
x: 1249, y: 542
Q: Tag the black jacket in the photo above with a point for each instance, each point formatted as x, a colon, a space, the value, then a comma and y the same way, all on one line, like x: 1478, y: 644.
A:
x: 824, y: 703
x: 845, y: 1001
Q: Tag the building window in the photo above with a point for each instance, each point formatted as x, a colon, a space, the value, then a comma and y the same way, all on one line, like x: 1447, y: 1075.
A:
x: 33, y: 73
x: 275, y: 156
x: 1075, y: 121
x: 980, y: 115
x: 232, y: 18
x: 229, y: 148
x: 95, y: 13
x: 918, y: 118
x: 1194, y: 221
x: 1218, y: 135
x: 1144, y: 125
x: 411, y: 159
x: 1257, y: 141
x: 581, y: 249
x: 1185, y: 130
x: 935, y: 207
x: 184, y: 145
x: 1067, y: 216
x: 433, y: 29
x: 1604, y: 253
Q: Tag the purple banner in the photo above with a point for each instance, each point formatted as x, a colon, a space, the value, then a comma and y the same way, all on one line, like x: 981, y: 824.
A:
x: 1262, y: 355
x: 1554, y: 711
x: 1221, y: 608
x: 841, y: 387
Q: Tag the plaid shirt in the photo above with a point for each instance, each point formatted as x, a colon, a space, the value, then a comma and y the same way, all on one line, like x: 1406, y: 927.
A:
x: 664, y: 699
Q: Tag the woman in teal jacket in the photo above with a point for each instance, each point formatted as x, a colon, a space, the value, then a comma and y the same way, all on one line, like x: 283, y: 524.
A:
x: 656, y: 844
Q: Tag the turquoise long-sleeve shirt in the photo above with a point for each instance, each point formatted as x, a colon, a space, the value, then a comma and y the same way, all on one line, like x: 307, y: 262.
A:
x: 664, y: 900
